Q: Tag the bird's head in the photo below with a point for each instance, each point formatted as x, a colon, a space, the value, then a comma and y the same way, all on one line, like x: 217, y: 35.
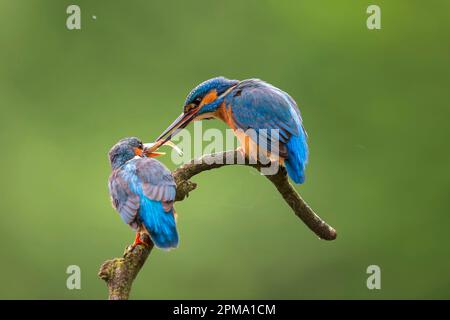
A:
x: 124, y: 150
x: 128, y: 148
x: 201, y: 103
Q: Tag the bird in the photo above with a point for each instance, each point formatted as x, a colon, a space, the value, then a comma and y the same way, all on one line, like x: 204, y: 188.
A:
x: 143, y: 191
x: 250, y: 105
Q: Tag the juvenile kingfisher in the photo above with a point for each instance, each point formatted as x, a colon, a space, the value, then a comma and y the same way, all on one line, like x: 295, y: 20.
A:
x: 143, y: 192
x: 250, y: 104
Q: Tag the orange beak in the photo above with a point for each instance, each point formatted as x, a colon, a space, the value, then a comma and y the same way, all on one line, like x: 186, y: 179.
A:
x: 138, y: 152
x: 153, y: 154
x: 147, y: 152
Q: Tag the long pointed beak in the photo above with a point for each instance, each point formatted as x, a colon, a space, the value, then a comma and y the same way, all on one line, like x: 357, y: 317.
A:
x: 181, y: 122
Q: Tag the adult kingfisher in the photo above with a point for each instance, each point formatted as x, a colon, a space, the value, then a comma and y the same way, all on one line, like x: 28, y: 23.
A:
x: 254, y: 104
x: 143, y: 192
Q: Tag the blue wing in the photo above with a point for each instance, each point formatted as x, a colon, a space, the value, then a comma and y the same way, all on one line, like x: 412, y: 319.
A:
x: 153, y: 185
x: 157, y: 181
x: 260, y: 106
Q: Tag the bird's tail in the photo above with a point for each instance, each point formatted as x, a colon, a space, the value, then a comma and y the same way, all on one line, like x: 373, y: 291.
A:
x: 159, y: 223
x: 297, y: 157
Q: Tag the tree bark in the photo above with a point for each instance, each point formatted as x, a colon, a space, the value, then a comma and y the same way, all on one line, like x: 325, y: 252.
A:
x: 119, y: 273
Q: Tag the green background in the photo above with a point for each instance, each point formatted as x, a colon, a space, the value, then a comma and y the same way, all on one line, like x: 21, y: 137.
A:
x: 375, y: 104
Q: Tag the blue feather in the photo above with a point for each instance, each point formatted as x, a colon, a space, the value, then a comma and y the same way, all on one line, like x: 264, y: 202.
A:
x: 297, y: 148
x: 297, y: 158
x: 258, y: 105
x: 160, y: 224
x: 220, y: 84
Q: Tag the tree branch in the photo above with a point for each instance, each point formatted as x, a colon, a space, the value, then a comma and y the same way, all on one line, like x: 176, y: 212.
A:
x: 119, y: 273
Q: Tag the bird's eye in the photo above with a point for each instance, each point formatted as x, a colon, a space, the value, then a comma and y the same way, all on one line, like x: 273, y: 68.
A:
x: 197, y: 101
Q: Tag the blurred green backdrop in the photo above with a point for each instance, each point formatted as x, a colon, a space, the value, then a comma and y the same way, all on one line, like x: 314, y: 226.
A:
x: 375, y: 104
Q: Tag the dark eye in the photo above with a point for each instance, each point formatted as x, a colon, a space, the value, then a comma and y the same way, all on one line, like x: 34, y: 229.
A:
x: 197, y: 101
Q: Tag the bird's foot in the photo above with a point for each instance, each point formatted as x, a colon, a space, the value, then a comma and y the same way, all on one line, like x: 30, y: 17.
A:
x: 138, y: 241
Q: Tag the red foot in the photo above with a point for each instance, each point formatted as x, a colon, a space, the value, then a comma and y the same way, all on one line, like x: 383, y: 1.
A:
x: 138, y: 241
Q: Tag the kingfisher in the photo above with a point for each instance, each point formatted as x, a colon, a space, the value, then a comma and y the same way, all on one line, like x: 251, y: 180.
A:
x: 143, y: 191
x: 272, y: 115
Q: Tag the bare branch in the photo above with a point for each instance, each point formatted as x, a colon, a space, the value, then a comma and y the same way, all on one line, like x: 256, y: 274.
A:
x: 280, y: 180
x: 120, y: 273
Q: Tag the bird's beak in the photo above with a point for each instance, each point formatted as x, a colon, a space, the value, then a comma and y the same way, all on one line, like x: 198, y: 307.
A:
x: 150, y: 149
x: 181, y: 122
x: 138, y: 152
x: 154, y: 154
